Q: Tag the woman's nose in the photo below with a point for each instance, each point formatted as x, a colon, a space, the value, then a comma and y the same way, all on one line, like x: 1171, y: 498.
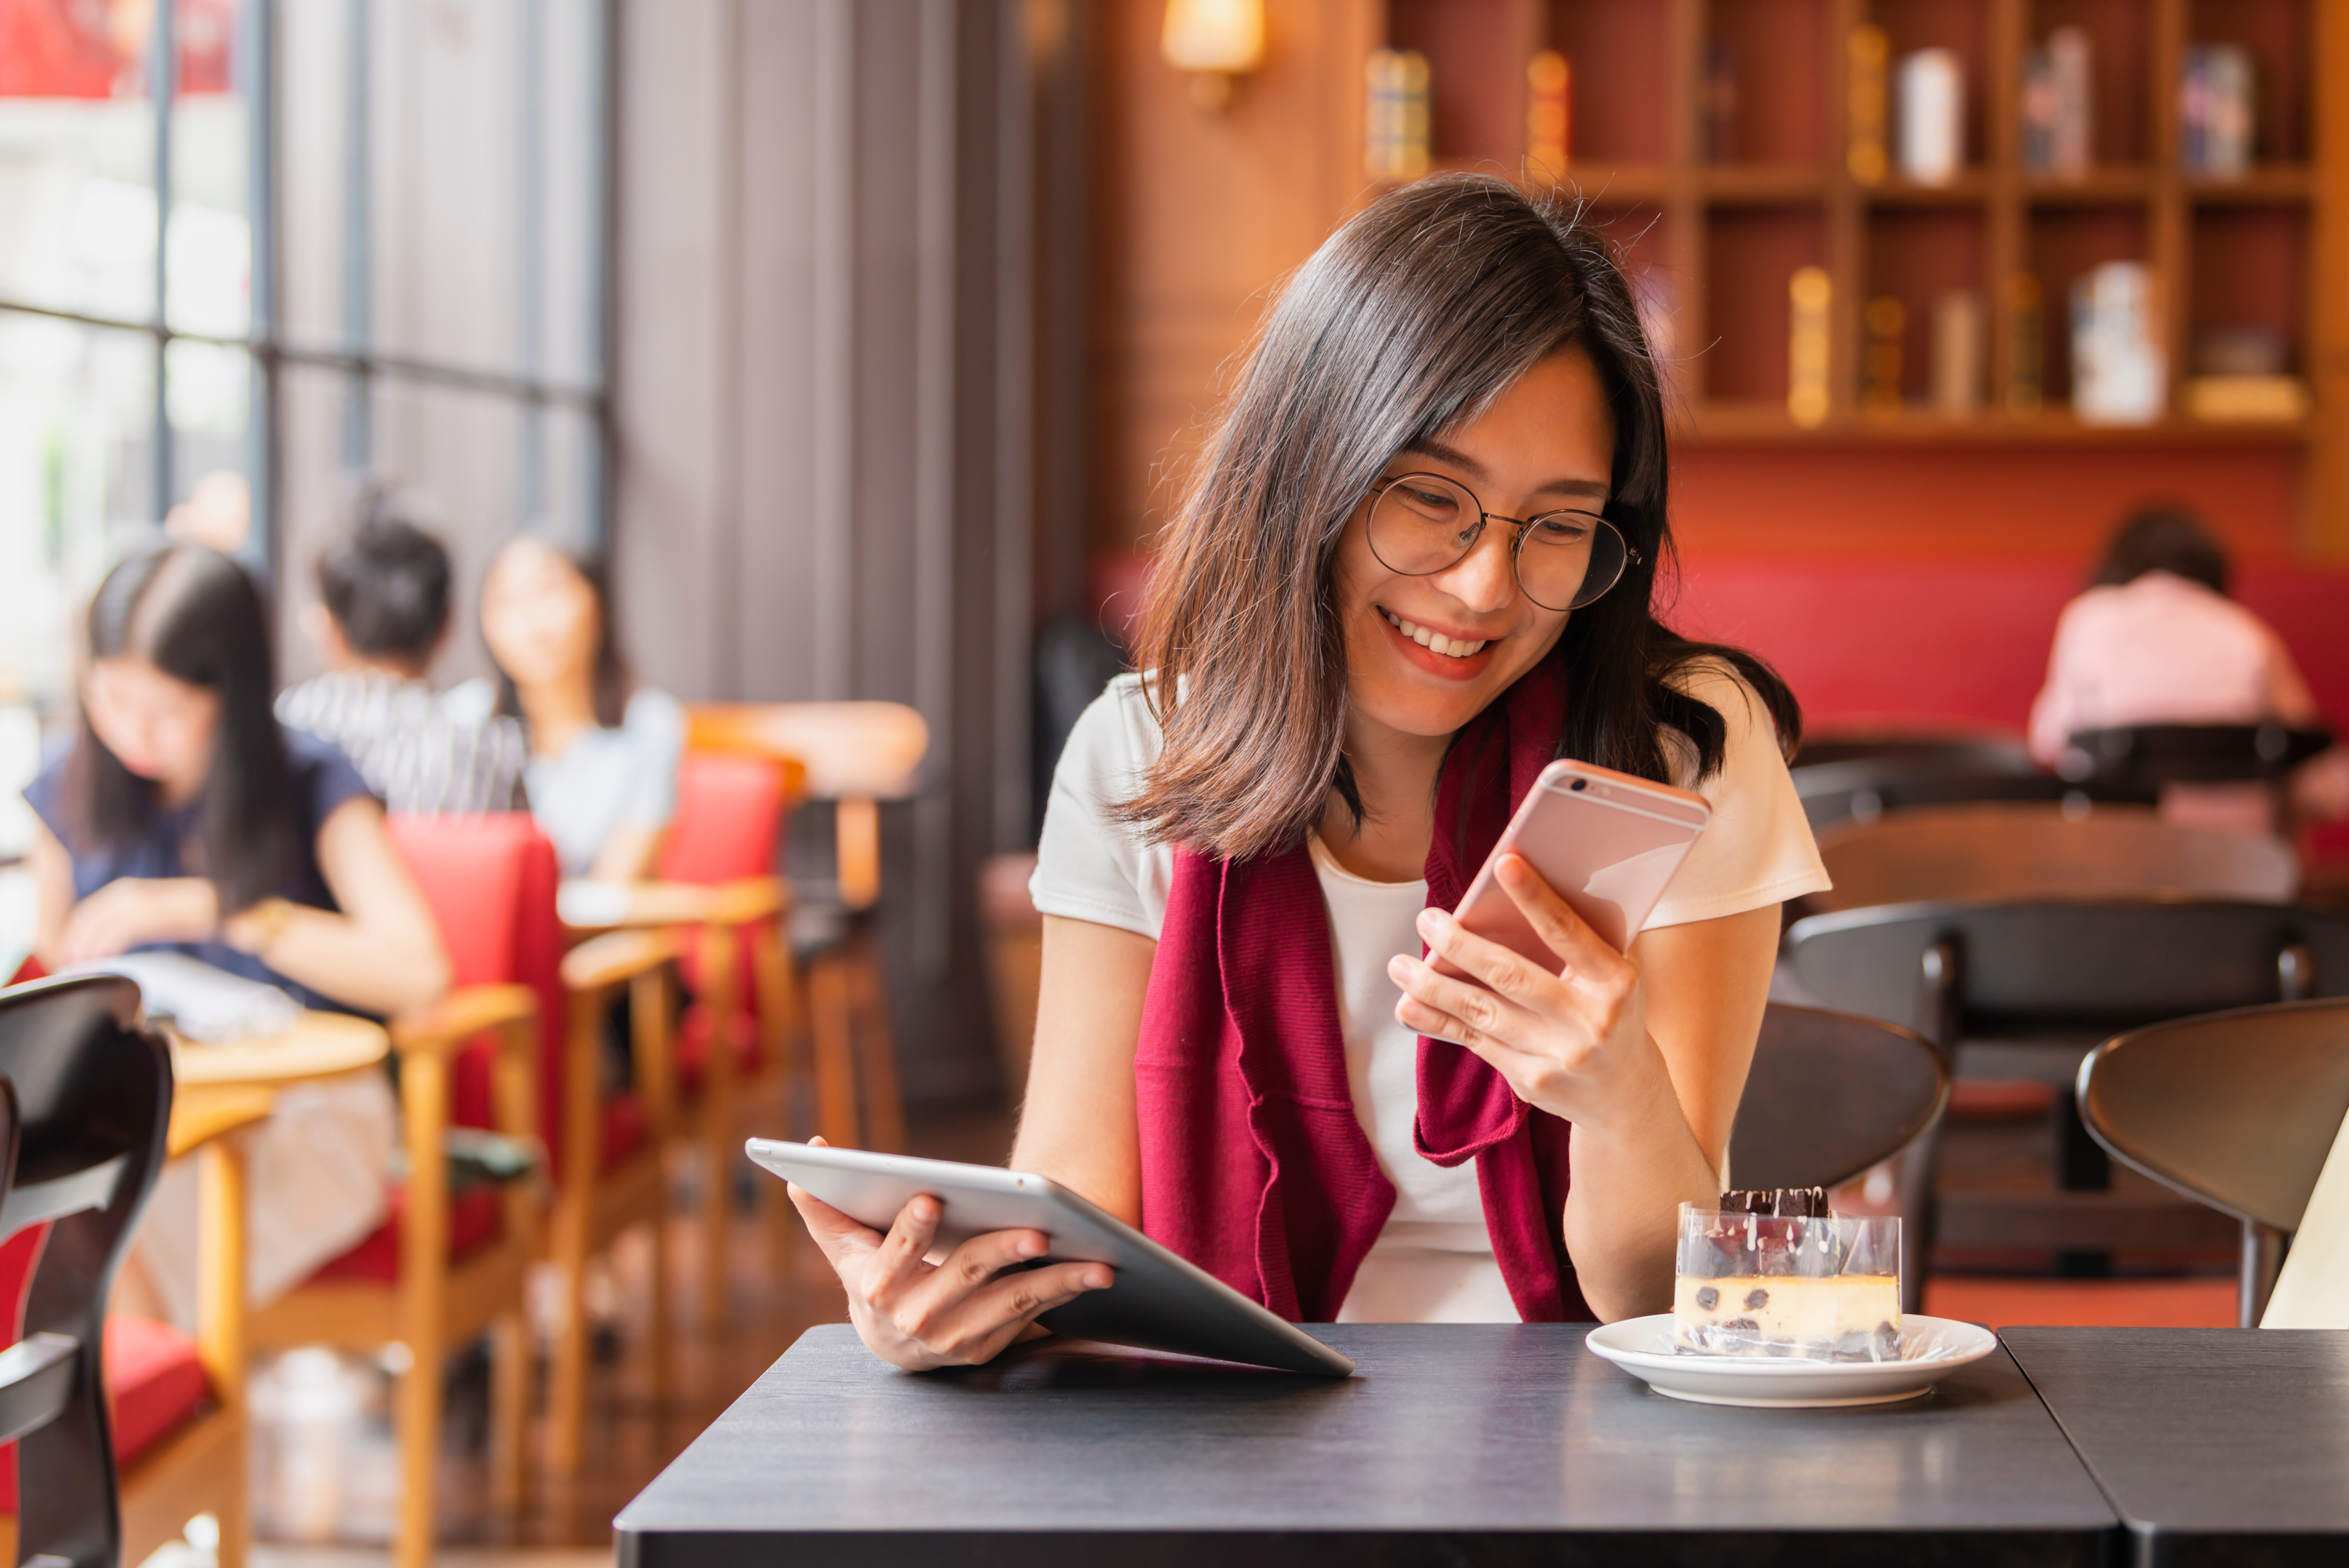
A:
x: 1485, y: 579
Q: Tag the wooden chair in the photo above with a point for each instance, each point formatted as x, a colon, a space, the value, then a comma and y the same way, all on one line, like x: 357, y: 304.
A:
x: 605, y: 1150
x: 2016, y: 851
x: 856, y: 755
x: 2027, y: 989
x: 84, y: 1108
x: 735, y: 1050
x: 450, y: 1266
x: 2236, y: 1109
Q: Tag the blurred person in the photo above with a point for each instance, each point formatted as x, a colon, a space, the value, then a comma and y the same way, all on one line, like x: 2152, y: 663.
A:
x: 603, y: 750
x: 380, y: 620
x: 2154, y: 640
x: 1416, y: 561
x: 184, y: 817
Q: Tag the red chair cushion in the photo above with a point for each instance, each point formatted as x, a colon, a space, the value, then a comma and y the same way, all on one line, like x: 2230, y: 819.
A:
x: 490, y: 883
x: 729, y: 818
x: 624, y: 1131
x: 153, y: 1381
x: 473, y: 1223
x: 693, y: 1045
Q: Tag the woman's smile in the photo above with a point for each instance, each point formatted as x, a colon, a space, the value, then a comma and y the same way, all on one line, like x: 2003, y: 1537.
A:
x: 1452, y: 655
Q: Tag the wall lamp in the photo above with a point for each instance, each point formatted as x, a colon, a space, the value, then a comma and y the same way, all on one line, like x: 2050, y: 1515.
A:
x: 1218, y: 41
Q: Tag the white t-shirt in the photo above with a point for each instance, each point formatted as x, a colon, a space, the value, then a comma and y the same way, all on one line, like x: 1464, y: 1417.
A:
x: 1434, y: 1262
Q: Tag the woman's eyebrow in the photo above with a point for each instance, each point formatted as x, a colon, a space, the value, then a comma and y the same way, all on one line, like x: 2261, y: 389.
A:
x: 1596, y: 490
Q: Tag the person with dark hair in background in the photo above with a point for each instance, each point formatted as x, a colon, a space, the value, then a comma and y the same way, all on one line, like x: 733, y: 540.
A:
x: 382, y: 618
x: 2154, y: 640
x: 185, y: 817
x: 603, y: 750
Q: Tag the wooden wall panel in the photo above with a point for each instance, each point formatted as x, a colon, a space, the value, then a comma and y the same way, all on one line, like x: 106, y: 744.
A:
x: 1195, y: 216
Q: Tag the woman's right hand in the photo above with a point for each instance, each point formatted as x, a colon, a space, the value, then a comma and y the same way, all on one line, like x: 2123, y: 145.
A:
x: 920, y: 1315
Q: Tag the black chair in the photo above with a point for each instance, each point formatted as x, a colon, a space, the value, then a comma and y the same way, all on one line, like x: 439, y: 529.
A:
x: 2236, y: 1109
x: 1830, y: 1095
x: 1862, y: 789
x: 2148, y: 758
x: 2011, y: 851
x: 2026, y: 989
x: 87, y: 1096
x: 1981, y: 752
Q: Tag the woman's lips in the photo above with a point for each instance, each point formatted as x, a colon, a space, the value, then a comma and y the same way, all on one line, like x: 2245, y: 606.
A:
x: 1446, y: 666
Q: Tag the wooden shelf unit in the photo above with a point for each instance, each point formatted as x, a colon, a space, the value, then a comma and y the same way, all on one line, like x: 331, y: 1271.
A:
x: 2270, y: 250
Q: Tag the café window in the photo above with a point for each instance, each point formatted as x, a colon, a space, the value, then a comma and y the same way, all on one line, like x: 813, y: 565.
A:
x: 257, y: 253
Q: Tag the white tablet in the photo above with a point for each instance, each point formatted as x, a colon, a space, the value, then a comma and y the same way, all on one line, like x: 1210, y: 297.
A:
x: 1159, y: 1302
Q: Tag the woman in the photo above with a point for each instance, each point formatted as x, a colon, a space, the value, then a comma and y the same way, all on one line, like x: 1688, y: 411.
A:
x: 1358, y: 658
x: 2154, y: 640
x: 602, y: 775
x: 184, y: 816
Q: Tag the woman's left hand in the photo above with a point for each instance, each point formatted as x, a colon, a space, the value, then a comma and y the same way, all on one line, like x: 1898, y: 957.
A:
x: 134, y: 911
x: 1575, y: 1043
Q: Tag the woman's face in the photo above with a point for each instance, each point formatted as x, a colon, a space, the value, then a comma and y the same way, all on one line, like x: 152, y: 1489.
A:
x: 1547, y: 443
x: 539, y: 616
x: 157, y: 726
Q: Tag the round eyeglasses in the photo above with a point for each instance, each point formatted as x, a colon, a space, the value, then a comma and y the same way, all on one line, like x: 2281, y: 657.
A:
x: 1422, y: 524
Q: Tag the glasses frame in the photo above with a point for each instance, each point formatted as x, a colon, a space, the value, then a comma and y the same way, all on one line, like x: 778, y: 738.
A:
x: 1378, y: 488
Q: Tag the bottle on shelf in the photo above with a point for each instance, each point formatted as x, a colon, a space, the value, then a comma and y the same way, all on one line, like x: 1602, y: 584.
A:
x: 1957, y: 358
x: 2215, y: 115
x: 2118, y: 374
x: 1870, y: 54
x: 1809, y: 292
x: 2026, y: 345
x: 1884, y: 319
x: 1720, y: 103
x: 2058, y: 111
x: 1932, y: 115
x: 1397, y: 119
x: 1551, y: 81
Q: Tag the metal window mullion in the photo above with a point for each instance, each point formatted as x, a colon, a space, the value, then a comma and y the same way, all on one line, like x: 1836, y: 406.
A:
x: 935, y: 621
x: 600, y: 185
x: 530, y: 253
x: 257, y: 58
x: 164, y: 86
x: 1015, y: 497
x: 358, y: 281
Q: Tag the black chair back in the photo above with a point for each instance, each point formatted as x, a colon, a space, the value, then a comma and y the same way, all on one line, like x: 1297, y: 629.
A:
x: 2012, y: 851
x: 1830, y: 1095
x: 1862, y: 789
x: 1978, y: 752
x: 1957, y: 968
x: 89, y: 1104
x: 2238, y: 1109
x: 2147, y: 757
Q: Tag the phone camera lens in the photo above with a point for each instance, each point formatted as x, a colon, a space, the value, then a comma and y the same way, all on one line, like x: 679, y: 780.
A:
x: 1579, y: 783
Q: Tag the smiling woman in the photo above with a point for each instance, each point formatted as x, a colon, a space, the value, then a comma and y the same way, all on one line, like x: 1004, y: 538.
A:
x: 1416, y: 564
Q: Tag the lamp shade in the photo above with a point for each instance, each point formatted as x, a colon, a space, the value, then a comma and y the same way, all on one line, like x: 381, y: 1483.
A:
x: 1225, y: 36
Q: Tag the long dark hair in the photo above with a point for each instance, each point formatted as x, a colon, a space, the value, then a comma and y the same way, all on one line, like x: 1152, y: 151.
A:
x: 1407, y: 322
x: 612, y: 680
x: 194, y: 615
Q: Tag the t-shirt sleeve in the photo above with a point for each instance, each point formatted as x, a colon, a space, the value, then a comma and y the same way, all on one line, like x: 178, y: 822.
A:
x: 332, y: 777
x: 655, y: 730
x: 1090, y: 867
x: 46, y: 795
x: 1757, y: 849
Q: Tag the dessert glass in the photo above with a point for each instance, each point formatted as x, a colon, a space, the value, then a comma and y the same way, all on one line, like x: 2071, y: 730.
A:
x: 1822, y: 1289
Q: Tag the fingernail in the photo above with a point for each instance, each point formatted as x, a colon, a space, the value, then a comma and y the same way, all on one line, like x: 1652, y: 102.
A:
x: 1401, y: 967
x: 1028, y: 1246
x: 1511, y: 869
x: 1431, y: 922
x: 1097, y: 1279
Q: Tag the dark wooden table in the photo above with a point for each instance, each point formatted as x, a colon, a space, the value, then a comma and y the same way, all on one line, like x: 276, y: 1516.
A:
x: 2215, y: 1445
x: 1455, y: 1444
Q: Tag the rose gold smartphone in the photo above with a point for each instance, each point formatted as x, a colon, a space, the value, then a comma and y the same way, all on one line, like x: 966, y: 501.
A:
x: 1606, y: 841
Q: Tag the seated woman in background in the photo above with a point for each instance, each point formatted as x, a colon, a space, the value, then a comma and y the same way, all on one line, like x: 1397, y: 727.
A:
x: 183, y: 816
x: 2156, y: 641
x: 603, y: 750
x: 381, y: 617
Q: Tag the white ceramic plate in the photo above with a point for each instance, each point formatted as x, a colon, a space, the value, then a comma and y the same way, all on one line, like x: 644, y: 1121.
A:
x: 1932, y: 1348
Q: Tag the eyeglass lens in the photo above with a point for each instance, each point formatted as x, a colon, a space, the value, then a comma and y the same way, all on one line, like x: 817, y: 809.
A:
x: 1423, y: 523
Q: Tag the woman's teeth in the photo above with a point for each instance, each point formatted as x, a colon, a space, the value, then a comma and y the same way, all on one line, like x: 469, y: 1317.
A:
x: 1433, y: 641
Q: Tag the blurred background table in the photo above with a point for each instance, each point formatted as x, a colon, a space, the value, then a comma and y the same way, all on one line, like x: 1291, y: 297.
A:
x: 1456, y: 1442
x: 319, y: 1045
x: 2216, y: 1445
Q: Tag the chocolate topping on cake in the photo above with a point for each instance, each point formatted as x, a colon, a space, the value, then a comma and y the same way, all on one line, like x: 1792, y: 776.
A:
x: 1780, y: 1203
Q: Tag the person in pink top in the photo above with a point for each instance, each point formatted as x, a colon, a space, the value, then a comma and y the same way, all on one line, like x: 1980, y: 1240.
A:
x: 2156, y: 641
